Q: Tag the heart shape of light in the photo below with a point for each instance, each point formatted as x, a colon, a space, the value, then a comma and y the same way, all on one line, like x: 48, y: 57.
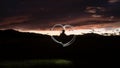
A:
x: 64, y: 28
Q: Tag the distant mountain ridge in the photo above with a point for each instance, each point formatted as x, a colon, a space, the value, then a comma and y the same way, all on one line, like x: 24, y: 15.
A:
x: 12, y: 31
x: 22, y: 45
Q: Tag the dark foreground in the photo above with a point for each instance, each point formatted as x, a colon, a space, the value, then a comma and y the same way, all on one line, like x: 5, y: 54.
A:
x: 27, y: 50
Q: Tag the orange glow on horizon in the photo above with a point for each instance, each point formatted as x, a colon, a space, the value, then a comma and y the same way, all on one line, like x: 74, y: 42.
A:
x: 100, y: 31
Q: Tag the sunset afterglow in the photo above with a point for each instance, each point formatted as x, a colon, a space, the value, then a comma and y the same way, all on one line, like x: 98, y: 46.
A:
x: 101, y: 31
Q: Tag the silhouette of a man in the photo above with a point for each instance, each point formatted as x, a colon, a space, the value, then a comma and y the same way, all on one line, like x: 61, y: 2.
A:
x: 63, y: 36
x: 63, y: 33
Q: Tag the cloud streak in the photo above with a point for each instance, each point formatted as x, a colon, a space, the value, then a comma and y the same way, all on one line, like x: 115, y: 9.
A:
x: 43, y: 14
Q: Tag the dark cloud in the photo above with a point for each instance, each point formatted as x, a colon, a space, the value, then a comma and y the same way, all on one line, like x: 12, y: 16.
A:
x: 42, y: 14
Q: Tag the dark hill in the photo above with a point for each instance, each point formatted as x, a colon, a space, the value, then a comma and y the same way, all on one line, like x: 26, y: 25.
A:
x: 88, y: 48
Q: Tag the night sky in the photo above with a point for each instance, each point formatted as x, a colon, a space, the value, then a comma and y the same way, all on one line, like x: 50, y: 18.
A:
x: 43, y: 14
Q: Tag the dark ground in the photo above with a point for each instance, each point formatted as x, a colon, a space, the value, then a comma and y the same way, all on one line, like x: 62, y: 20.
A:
x: 28, y: 50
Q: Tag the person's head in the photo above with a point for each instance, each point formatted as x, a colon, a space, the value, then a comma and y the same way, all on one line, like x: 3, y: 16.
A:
x: 63, y: 31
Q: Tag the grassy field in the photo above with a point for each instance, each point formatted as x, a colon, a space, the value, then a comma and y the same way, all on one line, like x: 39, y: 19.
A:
x: 59, y: 63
